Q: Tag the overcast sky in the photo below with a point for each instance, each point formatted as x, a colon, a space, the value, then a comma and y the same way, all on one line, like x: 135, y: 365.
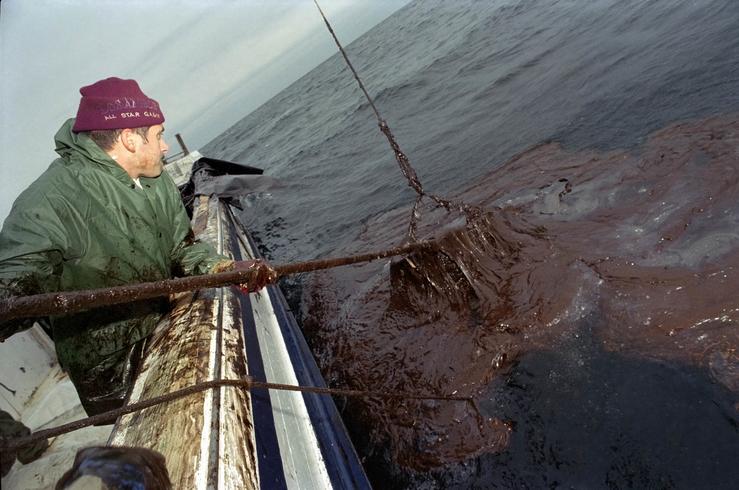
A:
x: 207, y: 62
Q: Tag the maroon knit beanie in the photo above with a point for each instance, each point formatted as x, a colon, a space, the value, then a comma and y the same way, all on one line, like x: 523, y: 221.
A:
x: 114, y: 103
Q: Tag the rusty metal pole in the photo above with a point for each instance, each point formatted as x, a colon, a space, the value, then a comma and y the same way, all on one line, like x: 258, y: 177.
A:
x: 182, y: 144
x: 66, y: 302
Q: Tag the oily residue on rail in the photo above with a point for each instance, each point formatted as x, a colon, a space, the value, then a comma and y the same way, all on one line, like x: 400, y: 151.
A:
x: 635, y: 251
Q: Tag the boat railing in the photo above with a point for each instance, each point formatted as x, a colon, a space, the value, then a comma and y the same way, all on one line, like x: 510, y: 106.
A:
x: 176, y: 156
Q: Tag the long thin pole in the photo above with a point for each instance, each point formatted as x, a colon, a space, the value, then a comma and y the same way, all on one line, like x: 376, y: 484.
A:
x: 248, y: 383
x: 61, y: 303
x: 182, y: 144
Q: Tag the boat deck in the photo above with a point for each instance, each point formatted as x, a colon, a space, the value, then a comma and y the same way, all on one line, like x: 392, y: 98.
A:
x: 44, y: 397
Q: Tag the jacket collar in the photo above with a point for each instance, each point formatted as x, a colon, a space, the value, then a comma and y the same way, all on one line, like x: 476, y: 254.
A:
x: 71, y: 145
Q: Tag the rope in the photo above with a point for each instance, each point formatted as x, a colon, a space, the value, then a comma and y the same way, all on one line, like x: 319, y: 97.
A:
x: 65, y: 302
x: 403, y: 162
x: 9, y: 444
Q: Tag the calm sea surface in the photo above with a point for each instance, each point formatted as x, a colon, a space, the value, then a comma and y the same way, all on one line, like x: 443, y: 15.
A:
x: 622, y: 118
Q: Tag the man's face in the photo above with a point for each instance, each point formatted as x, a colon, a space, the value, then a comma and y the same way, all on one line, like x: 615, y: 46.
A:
x: 150, y: 153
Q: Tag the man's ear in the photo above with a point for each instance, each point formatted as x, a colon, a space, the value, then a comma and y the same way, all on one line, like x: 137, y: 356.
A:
x: 128, y: 140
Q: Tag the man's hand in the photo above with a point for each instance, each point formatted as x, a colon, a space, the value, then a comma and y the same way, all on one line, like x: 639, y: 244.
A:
x: 261, y: 274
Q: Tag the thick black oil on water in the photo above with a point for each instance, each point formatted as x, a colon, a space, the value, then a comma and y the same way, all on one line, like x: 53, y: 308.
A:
x: 594, y: 312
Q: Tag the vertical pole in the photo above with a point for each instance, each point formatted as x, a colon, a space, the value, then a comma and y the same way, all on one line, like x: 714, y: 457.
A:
x: 182, y: 144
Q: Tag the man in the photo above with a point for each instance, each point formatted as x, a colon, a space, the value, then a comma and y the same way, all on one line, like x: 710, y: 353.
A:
x: 103, y: 214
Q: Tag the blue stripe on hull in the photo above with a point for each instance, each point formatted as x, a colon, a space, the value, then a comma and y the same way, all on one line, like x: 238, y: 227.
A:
x: 269, y: 460
x: 342, y: 463
x: 271, y: 473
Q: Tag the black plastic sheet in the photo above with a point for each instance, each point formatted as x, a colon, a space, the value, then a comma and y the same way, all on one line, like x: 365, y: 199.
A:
x: 227, y: 180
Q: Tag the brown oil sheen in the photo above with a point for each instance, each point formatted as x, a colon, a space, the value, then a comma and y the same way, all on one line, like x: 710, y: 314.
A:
x: 646, y: 239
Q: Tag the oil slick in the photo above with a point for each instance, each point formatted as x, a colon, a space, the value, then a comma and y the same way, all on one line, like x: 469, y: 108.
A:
x: 633, y: 253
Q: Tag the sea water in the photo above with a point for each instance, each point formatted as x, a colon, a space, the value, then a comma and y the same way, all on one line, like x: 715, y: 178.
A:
x: 592, y: 313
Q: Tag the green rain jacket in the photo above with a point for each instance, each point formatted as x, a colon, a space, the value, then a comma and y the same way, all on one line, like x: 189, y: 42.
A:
x: 84, y: 224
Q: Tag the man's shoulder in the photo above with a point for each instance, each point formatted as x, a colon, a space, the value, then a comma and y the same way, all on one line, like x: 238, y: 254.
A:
x: 57, y: 183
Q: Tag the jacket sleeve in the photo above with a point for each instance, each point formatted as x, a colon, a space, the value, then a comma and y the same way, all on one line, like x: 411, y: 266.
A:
x: 31, y: 255
x: 190, y: 256
x: 194, y: 257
